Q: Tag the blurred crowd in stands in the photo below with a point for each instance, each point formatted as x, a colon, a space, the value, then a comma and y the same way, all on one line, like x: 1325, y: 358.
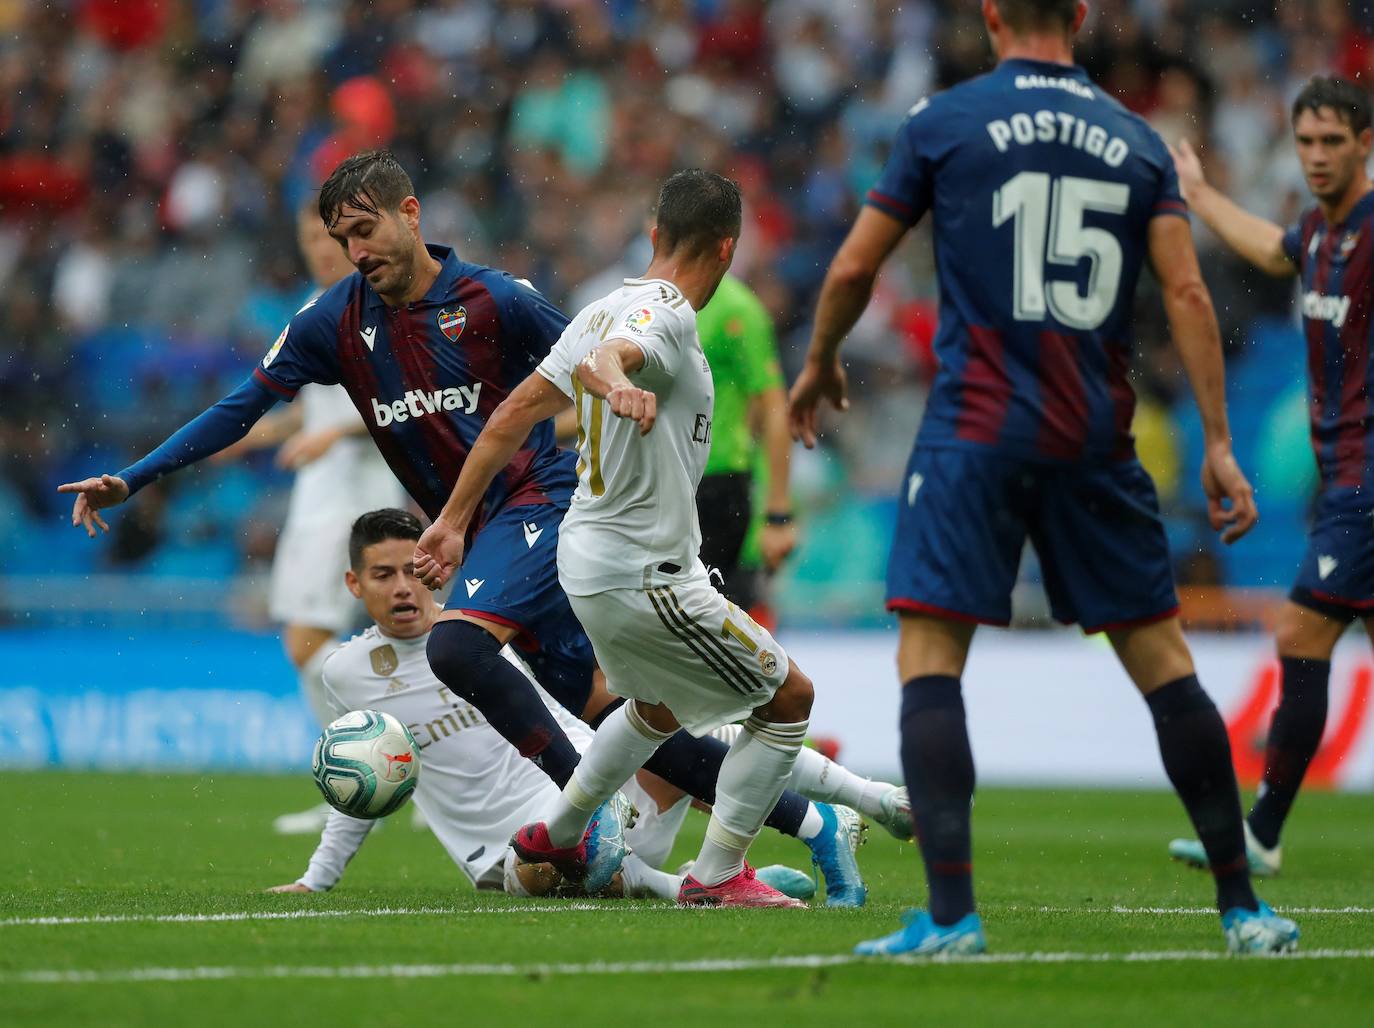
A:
x: 153, y: 153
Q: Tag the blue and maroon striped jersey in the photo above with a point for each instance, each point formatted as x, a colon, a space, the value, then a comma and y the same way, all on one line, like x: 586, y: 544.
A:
x: 1337, y: 265
x: 425, y: 377
x: 1042, y: 189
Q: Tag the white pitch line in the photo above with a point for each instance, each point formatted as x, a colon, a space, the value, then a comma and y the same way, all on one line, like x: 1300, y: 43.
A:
x: 802, y: 962
x: 1211, y: 911
x: 553, y: 908
x: 297, y: 915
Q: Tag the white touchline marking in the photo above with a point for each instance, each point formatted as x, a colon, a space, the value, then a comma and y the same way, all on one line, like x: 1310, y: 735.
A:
x: 296, y: 915
x: 558, y: 908
x: 643, y: 967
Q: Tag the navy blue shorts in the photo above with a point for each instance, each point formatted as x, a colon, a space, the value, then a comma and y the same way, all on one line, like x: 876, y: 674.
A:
x: 510, y: 576
x: 1336, y: 576
x: 964, y: 517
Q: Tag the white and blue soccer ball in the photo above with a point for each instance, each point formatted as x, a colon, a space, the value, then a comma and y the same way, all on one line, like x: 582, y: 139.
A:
x: 366, y: 763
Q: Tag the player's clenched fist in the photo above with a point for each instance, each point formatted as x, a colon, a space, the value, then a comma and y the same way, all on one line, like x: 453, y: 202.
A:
x: 438, y: 553
x: 635, y: 404
x: 94, y: 494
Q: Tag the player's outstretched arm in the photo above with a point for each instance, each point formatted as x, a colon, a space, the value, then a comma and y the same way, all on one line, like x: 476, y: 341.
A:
x: 844, y: 295
x: 225, y: 423
x: 341, y: 839
x: 1194, y: 325
x: 440, y: 549
x: 605, y: 373
x: 1257, y: 240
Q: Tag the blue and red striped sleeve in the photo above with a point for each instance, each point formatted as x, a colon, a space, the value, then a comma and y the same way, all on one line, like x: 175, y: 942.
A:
x: 904, y: 189
x: 307, y: 349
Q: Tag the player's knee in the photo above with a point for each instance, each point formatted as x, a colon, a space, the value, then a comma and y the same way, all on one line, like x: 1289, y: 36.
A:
x: 459, y: 650
x: 792, y: 702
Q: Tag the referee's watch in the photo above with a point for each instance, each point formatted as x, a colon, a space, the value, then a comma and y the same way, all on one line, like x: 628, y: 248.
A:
x: 783, y: 518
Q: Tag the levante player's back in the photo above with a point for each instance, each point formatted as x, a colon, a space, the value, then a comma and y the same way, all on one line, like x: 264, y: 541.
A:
x: 1042, y: 189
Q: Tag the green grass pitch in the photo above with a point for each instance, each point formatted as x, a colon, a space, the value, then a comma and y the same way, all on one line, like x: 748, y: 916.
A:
x: 1067, y: 881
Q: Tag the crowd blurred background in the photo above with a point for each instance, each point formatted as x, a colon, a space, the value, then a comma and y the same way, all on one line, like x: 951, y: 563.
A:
x: 153, y: 153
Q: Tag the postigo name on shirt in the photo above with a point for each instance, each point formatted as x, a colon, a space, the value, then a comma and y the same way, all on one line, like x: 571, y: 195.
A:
x: 417, y: 403
x: 1062, y: 128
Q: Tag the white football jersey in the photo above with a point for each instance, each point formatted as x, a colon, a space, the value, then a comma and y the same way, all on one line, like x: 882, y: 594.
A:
x: 475, y: 789
x: 635, y: 506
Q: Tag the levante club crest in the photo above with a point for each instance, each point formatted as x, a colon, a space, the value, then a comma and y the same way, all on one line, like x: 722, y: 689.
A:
x: 451, y: 322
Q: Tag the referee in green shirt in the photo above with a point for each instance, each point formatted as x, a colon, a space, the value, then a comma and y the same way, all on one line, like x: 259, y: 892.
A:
x: 751, y: 408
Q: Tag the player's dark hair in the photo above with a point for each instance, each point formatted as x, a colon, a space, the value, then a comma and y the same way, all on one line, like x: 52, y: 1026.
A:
x: 696, y: 210
x: 379, y: 526
x: 1349, y: 101
x: 372, y: 181
x: 1023, y: 16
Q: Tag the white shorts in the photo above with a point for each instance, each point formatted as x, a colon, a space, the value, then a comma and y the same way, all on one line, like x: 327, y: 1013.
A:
x: 308, y: 577
x: 683, y: 645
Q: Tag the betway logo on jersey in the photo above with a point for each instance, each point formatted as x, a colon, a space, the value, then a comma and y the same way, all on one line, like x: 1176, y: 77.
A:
x: 1320, y: 307
x: 417, y: 403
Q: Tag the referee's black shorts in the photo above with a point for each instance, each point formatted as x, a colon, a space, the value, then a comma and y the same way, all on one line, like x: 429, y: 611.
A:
x: 724, y: 509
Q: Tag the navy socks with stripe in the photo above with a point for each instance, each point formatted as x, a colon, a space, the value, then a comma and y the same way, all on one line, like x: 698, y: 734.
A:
x: 467, y: 658
x: 1294, y: 736
x: 1197, y: 759
x: 938, y: 763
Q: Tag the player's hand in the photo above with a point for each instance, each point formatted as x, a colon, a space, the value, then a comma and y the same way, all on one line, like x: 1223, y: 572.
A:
x: 629, y: 401
x: 290, y: 887
x: 1189, y: 169
x: 1222, y: 480
x: 438, y: 554
x: 776, y: 543
x: 93, y: 495
x: 816, y: 382
x: 305, y: 447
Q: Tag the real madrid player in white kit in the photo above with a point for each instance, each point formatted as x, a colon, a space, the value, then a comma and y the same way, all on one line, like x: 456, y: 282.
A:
x: 339, y: 475
x: 476, y: 789
x: 627, y: 555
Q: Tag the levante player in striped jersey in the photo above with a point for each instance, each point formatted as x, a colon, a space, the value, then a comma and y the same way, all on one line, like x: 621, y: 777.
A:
x: 1331, y: 248
x: 1048, y: 199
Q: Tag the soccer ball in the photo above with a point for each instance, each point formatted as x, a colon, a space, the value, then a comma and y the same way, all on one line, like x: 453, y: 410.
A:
x: 366, y: 763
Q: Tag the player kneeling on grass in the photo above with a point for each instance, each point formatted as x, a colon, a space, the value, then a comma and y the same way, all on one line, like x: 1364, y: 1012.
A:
x: 476, y: 789
x: 628, y: 550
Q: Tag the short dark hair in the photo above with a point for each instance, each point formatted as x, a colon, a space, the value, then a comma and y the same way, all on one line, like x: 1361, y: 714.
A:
x: 379, y: 526
x: 372, y: 181
x: 696, y: 210
x: 1349, y: 101
x: 1037, y: 15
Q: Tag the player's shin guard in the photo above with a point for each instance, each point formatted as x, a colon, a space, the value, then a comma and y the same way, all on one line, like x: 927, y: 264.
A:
x: 752, y: 778
x: 1294, y: 736
x: 623, y: 742
x: 467, y: 658
x: 693, y: 765
x: 1197, y: 759
x: 938, y: 763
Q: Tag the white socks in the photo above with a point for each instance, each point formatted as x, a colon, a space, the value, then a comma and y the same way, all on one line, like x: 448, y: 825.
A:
x: 621, y: 746
x: 654, y: 833
x: 817, y: 777
x: 752, y: 778
x: 644, y: 882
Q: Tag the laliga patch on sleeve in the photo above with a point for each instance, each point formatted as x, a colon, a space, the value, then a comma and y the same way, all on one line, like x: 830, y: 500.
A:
x: 638, y: 321
x: 276, y: 348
